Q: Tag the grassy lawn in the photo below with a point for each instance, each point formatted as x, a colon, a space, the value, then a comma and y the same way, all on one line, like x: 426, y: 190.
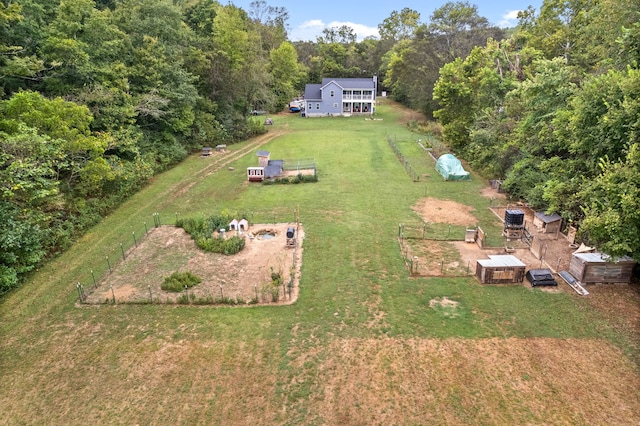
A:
x: 364, y: 343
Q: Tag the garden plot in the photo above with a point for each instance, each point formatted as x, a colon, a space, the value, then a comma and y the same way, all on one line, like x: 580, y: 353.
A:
x: 243, y: 277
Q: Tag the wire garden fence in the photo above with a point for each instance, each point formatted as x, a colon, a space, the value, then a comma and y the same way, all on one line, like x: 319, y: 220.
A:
x: 95, y: 278
x: 427, y: 249
x: 405, y: 162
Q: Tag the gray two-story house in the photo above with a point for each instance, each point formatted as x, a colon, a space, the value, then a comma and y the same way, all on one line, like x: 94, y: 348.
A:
x: 341, y: 96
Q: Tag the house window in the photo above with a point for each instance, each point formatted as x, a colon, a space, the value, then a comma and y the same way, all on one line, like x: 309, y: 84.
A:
x: 333, y: 93
x: 335, y: 105
x: 310, y: 105
x: 318, y: 106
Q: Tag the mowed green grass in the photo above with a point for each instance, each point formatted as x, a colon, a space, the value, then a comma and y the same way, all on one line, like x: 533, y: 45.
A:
x: 130, y: 364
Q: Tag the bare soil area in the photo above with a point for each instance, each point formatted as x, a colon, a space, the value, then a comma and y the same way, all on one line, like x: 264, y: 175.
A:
x: 243, y: 276
x: 444, y: 211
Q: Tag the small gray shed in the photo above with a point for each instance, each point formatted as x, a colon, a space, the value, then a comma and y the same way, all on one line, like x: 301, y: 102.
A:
x: 598, y: 268
x: 500, y: 269
x: 547, y: 223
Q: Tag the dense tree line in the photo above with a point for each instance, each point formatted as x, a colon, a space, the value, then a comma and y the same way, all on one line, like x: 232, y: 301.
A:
x: 98, y: 95
x: 555, y: 110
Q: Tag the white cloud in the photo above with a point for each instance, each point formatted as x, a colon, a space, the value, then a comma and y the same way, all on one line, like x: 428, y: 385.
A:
x: 311, y: 30
x: 509, y: 19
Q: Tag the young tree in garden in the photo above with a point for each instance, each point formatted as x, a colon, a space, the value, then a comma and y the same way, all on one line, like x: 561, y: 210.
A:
x: 612, y: 206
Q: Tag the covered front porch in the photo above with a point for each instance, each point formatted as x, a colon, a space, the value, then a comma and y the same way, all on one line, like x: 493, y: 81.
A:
x: 357, y: 107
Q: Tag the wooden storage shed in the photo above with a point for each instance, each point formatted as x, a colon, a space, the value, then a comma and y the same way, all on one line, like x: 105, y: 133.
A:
x: 263, y: 158
x: 500, y: 269
x: 598, y: 268
x: 547, y: 223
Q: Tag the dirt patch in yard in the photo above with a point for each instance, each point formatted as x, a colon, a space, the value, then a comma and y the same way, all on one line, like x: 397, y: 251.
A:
x: 444, y: 211
x: 242, y: 277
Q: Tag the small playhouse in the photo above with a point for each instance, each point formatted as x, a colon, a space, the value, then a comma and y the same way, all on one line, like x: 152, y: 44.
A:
x: 451, y: 168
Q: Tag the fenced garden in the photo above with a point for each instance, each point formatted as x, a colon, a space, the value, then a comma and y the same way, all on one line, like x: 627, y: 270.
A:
x: 427, y: 249
x: 200, y: 261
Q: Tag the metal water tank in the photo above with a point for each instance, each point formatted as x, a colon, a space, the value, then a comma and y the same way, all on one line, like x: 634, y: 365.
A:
x: 513, y: 218
x: 290, y: 232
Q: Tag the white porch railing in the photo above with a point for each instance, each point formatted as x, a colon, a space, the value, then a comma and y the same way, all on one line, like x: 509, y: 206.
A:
x: 357, y: 98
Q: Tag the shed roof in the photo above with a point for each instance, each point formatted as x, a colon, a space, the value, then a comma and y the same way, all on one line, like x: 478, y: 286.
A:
x: 274, y: 168
x: 501, y: 260
x: 263, y: 153
x: 601, y: 258
x: 548, y: 218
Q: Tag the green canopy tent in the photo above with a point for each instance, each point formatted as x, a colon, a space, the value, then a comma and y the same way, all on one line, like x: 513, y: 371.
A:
x: 451, y: 169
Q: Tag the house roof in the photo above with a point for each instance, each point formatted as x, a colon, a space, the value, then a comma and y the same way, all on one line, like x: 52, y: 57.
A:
x: 263, y: 153
x: 548, y: 218
x: 314, y: 91
x: 350, y: 83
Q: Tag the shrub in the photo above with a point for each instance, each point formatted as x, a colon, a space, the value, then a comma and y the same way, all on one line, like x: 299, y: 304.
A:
x: 177, y: 281
x: 201, y: 230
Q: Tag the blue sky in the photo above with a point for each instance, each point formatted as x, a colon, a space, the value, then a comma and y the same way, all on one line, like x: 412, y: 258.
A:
x: 308, y: 19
